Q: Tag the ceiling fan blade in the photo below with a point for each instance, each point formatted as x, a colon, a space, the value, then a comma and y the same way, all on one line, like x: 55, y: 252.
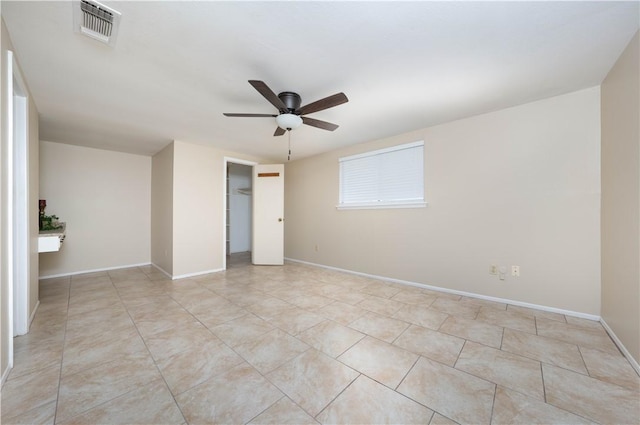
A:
x: 320, y: 124
x: 226, y: 114
x: 326, y: 103
x: 279, y: 131
x: 268, y: 94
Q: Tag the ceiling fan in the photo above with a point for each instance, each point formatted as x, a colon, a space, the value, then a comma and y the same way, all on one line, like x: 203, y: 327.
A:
x: 290, y: 115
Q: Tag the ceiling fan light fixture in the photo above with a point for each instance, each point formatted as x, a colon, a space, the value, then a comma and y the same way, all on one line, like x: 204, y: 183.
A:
x: 288, y: 121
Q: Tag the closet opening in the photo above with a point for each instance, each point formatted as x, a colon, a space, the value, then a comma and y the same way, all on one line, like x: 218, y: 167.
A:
x: 238, y: 214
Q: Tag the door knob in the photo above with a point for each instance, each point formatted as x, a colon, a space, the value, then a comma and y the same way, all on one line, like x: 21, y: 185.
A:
x: 280, y: 219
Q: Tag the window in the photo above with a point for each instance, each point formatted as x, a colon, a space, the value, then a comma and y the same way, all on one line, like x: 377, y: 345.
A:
x: 385, y: 178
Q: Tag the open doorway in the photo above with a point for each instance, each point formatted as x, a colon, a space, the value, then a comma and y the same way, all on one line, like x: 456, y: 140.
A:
x: 238, y: 212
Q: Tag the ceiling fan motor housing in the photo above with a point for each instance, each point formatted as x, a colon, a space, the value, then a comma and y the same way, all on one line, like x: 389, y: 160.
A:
x: 291, y: 100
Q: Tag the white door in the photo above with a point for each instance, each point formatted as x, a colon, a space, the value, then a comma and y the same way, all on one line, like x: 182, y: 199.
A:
x: 268, y: 215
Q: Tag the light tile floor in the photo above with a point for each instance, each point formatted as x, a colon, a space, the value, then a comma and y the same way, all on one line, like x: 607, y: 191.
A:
x: 297, y: 344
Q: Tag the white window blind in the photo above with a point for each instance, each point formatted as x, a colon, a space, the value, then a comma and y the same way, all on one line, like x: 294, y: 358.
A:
x: 392, y: 177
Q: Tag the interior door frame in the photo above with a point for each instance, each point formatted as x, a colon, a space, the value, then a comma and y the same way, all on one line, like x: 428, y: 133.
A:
x: 17, y: 203
x: 226, y: 161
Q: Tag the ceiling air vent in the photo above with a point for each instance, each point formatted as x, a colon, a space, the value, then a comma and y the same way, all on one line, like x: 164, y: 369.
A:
x: 96, y: 20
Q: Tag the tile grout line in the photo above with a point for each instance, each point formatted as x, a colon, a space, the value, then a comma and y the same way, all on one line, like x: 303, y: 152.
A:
x: 267, y: 408
x: 584, y: 362
x: 350, y: 347
x: 64, y: 341
x: 493, y: 402
x: 544, y: 386
x: 339, y: 394
x: 405, y: 375
x: 404, y: 331
x: 459, y: 354
x: 151, y: 356
x: 495, y: 383
x: 275, y: 385
x: 408, y: 396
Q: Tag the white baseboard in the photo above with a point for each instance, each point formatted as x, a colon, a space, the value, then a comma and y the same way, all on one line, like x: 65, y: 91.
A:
x: 169, y: 275
x: 5, y: 374
x: 93, y: 271
x: 163, y: 271
x: 456, y: 292
x: 614, y: 337
x: 623, y: 349
x: 33, y: 315
x: 184, y: 276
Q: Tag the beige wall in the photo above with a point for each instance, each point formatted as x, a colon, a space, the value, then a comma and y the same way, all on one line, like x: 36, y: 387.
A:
x: 514, y: 187
x: 32, y: 274
x: 172, y: 214
x: 162, y: 209
x: 105, y: 199
x: 194, y: 174
x: 197, y: 209
x: 621, y: 199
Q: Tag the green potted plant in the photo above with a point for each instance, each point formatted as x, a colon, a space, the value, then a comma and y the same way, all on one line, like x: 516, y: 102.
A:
x: 49, y: 222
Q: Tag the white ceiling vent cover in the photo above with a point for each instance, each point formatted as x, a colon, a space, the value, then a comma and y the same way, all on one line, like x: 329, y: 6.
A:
x: 96, y: 20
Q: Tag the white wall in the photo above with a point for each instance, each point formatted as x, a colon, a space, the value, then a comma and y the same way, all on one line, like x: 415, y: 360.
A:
x: 621, y: 198
x: 105, y: 199
x: 239, y: 208
x: 518, y: 186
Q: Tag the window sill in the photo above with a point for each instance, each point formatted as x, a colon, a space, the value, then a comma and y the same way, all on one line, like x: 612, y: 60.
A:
x: 381, y: 205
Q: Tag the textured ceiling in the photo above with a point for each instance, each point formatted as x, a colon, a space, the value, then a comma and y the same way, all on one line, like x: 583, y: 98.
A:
x: 177, y: 66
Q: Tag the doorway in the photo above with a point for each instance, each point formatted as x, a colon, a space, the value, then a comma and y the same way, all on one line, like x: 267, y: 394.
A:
x: 238, y: 212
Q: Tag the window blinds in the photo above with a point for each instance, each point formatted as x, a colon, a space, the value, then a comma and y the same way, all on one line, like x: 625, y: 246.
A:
x: 383, y: 177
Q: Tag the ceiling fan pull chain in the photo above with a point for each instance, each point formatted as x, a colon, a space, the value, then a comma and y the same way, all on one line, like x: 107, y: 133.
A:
x: 289, y: 156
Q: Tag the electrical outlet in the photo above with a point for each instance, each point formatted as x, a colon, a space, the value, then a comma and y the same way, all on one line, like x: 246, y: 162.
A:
x: 493, y: 269
x: 515, y: 271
